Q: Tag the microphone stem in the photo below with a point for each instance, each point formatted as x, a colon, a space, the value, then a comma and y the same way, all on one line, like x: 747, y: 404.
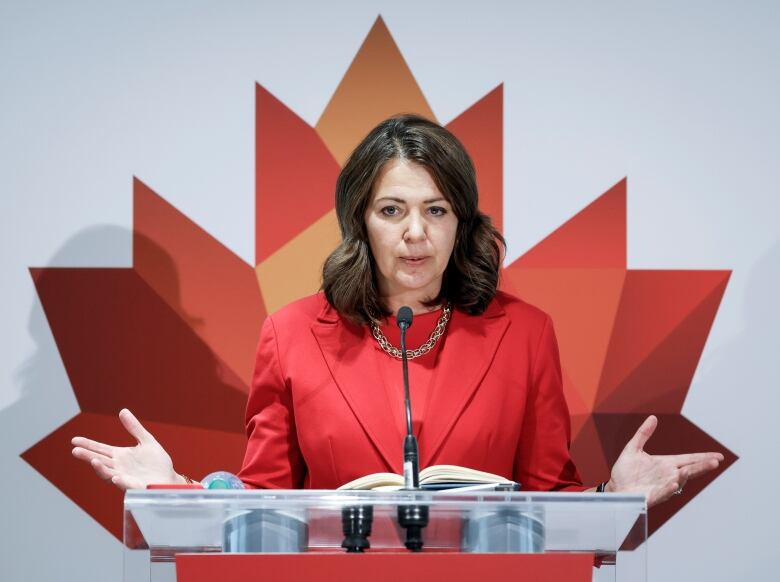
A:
x: 407, y: 395
x: 411, y: 462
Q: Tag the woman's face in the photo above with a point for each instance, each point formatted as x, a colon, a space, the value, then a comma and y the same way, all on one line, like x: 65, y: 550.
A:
x: 411, y: 231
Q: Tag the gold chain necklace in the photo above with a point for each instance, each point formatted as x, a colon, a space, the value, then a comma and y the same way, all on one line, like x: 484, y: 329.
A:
x: 438, y: 331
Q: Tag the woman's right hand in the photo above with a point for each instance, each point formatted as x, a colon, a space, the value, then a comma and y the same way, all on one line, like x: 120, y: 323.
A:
x: 129, y: 467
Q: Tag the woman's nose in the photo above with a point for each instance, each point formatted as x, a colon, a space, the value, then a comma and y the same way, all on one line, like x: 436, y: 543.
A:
x: 415, y: 228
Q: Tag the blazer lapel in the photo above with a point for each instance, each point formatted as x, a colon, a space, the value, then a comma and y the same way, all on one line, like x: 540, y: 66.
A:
x: 470, y: 345
x: 348, y: 350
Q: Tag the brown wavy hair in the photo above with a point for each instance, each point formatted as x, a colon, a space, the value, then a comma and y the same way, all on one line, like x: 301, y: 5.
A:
x: 349, y: 274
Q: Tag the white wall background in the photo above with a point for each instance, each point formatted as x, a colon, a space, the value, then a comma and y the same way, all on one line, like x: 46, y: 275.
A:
x: 682, y: 97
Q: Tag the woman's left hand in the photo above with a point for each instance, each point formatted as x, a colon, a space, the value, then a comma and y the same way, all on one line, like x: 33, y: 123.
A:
x: 657, y: 476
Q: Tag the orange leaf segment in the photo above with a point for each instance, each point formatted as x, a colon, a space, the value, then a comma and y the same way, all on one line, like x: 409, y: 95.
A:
x: 295, y: 175
x: 172, y: 339
x: 595, y: 238
x: 123, y: 346
x: 630, y: 340
x: 481, y: 130
x: 212, y: 290
x: 377, y: 84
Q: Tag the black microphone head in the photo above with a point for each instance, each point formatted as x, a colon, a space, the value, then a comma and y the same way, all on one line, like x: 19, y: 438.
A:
x: 404, y: 317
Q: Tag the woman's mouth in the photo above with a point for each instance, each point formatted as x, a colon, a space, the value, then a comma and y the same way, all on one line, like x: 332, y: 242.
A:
x: 413, y: 260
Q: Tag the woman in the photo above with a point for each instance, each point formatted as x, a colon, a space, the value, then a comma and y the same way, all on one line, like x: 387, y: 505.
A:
x: 326, y: 401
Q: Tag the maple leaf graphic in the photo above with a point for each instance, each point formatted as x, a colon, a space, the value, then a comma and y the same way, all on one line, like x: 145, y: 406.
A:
x: 173, y: 337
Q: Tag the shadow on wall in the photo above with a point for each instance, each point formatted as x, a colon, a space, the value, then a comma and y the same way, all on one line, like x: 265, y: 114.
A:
x: 742, y: 378
x: 761, y: 310
x: 97, y: 245
x: 44, y: 401
x: 744, y: 371
x: 125, y: 341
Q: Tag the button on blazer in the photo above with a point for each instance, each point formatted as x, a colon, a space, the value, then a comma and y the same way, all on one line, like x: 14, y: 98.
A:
x: 318, y: 415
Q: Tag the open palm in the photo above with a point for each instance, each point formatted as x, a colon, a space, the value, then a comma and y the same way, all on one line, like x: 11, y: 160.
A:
x: 128, y: 467
x: 657, y: 476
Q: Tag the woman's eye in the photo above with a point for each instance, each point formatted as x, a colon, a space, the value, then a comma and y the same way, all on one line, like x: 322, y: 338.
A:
x: 437, y: 210
x: 390, y: 210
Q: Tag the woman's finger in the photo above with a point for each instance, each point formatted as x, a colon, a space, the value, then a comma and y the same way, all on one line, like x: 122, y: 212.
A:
x: 644, y: 432
x: 697, y: 469
x: 119, y: 482
x: 662, y: 493
x: 89, y: 456
x: 94, y: 446
x: 134, y: 427
x: 691, y: 458
x: 124, y: 482
x: 102, y: 471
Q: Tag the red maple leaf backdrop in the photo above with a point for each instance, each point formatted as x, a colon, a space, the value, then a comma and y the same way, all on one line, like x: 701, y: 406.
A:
x: 173, y: 337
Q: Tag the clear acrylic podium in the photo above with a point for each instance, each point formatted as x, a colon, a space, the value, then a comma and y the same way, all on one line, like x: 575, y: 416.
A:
x: 186, y: 531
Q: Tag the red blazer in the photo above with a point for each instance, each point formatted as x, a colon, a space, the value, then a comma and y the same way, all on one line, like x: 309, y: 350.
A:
x: 318, y: 417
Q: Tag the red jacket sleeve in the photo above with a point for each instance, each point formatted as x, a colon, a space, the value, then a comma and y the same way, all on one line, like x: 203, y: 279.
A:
x: 273, y: 458
x: 543, y: 462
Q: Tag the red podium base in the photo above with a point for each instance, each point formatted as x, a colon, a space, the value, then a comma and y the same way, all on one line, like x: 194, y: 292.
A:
x: 384, y: 567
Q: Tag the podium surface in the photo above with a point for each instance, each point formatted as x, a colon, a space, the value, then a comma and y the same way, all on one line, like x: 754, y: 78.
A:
x: 275, y: 530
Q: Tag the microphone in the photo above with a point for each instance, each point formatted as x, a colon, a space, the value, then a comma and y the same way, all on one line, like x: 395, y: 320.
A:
x: 411, y: 455
x: 412, y: 517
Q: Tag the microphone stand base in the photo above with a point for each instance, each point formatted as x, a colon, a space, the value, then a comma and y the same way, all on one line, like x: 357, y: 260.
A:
x: 413, y: 518
x: 356, y: 521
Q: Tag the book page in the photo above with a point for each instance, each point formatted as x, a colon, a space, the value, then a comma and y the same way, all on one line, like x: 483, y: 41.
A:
x: 374, y: 481
x: 453, y: 473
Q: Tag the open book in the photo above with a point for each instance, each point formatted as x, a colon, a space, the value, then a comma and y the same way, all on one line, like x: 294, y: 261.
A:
x: 435, y: 477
